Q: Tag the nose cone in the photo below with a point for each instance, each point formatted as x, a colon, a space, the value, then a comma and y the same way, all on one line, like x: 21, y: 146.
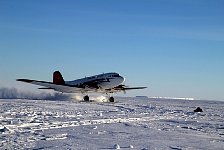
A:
x: 122, y: 79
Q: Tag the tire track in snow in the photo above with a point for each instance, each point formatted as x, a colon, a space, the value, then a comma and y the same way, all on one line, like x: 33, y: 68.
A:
x: 54, y: 125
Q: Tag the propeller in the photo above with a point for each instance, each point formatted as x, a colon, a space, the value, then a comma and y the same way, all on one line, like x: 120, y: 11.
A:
x: 122, y: 88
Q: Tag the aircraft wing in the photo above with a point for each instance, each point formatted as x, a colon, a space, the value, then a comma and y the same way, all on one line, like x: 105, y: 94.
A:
x: 123, y: 88
x: 84, y: 88
x: 134, y: 88
x: 49, y: 85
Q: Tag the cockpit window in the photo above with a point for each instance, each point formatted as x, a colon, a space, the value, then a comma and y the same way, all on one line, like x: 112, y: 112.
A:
x: 116, y: 75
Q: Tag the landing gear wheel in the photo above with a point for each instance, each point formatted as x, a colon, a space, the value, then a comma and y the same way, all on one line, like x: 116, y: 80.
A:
x: 86, y: 98
x: 111, y: 99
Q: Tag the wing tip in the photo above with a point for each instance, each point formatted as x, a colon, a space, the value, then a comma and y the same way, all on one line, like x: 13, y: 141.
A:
x: 25, y: 80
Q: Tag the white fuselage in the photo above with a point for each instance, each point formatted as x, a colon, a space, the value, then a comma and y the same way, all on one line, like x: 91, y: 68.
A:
x: 102, y: 81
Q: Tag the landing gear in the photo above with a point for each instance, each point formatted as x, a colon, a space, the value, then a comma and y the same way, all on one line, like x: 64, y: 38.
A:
x: 111, y: 99
x: 86, y: 98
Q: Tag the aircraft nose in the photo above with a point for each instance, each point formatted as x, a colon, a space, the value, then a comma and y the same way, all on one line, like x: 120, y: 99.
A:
x: 122, y: 79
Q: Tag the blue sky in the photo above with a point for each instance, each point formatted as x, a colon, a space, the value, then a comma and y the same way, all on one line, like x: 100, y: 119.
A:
x: 175, y: 47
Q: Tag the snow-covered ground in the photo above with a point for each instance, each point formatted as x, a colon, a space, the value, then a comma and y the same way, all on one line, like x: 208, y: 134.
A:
x: 129, y: 123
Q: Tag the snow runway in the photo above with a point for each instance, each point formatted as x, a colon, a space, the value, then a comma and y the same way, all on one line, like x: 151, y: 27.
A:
x: 129, y: 123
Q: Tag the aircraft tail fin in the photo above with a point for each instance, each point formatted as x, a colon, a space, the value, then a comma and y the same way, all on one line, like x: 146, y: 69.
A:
x: 57, y: 78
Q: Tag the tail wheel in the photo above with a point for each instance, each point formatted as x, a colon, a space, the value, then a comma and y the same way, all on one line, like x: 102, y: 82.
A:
x: 111, y: 99
x: 86, y: 98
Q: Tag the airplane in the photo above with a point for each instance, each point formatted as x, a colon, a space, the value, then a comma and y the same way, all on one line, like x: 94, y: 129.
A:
x: 105, y: 83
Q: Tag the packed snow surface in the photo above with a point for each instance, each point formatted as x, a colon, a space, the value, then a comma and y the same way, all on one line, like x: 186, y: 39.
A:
x: 129, y: 123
